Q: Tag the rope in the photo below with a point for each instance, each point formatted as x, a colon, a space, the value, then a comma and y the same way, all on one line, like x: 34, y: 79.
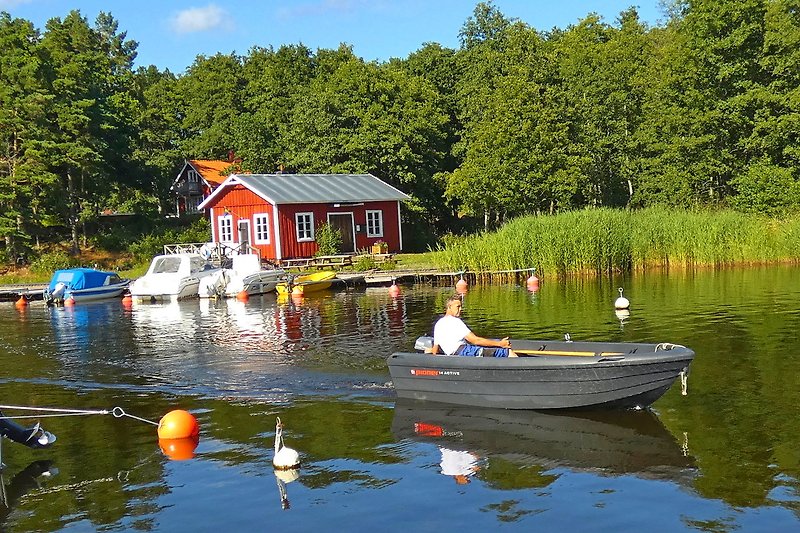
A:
x: 118, y: 412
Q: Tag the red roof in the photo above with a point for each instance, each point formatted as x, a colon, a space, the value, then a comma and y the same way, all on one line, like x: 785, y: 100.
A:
x: 211, y: 170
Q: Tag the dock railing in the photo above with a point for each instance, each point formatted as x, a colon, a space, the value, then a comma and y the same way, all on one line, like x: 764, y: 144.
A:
x: 214, y: 252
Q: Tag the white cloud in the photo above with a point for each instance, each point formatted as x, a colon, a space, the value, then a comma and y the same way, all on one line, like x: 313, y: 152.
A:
x: 201, y: 19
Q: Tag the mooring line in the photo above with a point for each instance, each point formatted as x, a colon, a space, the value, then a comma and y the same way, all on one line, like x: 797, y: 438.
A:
x: 118, y: 412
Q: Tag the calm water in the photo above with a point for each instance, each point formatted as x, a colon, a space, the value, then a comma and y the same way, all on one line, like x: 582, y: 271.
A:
x: 725, y: 457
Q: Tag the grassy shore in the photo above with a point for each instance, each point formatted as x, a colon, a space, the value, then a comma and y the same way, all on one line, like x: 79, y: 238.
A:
x: 586, y: 241
x: 608, y: 240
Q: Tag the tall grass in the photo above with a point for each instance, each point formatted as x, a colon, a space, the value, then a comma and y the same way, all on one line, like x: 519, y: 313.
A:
x: 607, y: 240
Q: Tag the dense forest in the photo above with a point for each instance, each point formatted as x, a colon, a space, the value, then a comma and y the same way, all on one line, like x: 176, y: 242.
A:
x: 700, y: 111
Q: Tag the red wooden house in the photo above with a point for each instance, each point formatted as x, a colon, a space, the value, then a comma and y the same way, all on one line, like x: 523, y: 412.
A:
x: 279, y: 213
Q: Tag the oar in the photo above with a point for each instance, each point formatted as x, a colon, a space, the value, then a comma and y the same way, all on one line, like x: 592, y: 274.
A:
x: 565, y: 353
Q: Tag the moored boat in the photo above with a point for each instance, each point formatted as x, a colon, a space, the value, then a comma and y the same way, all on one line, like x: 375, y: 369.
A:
x: 172, y: 277
x: 313, y: 282
x: 547, y: 375
x: 246, y: 275
x: 83, y: 285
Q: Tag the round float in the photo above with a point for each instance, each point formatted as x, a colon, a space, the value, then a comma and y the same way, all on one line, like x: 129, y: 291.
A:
x: 178, y: 424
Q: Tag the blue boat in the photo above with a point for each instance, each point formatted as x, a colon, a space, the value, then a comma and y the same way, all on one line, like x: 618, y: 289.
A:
x: 83, y: 284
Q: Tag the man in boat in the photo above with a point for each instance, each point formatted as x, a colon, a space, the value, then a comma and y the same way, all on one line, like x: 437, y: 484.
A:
x: 451, y: 336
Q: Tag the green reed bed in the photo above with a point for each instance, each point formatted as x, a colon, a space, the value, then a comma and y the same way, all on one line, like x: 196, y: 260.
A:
x: 606, y: 240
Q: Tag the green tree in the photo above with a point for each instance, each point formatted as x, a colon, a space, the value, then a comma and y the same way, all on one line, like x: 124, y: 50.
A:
x: 364, y: 117
x: 86, y: 71
x: 212, y: 92
x: 23, y: 99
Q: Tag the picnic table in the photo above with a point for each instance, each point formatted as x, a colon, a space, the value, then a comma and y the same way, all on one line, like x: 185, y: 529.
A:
x: 302, y: 263
x: 325, y: 261
x: 321, y: 261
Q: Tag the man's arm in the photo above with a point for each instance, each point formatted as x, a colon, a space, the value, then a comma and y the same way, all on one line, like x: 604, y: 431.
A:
x: 480, y: 341
x: 433, y: 349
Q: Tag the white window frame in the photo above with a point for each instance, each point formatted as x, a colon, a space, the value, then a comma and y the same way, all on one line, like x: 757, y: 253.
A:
x: 225, y: 225
x: 193, y: 176
x: 261, y: 233
x: 372, y: 231
x: 308, y: 234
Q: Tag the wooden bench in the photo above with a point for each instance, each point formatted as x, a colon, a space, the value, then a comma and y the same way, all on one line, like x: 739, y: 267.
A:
x: 302, y: 263
x: 327, y: 261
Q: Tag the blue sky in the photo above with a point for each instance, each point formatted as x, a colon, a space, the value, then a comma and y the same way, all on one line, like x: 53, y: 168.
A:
x: 171, y: 33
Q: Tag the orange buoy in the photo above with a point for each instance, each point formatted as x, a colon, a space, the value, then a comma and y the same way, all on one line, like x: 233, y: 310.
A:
x: 22, y: 302
x: 532, y: 280
x: 461, y: 286
x: 242, y: 296
x: 394, y: 290
x: 179, y: 449
x: 69, y: 301
x: 297, y: 291
x: 178, y: 424
x: 127, y: 299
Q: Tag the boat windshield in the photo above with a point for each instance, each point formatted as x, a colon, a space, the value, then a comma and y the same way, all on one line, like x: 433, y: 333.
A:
x: 167, y: 265
x: 198, y: 264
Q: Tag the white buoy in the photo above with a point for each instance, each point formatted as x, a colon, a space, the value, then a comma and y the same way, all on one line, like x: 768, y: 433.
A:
x: 621, y: 302
x: 285, y: 458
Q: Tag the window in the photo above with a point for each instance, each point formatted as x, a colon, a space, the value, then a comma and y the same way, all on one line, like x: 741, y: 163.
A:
x: 374, y: 223
x: 261, y: 222
x: 305, y: 226
x: 193, y: 177
x: 192, y: 202
x: 225, y: 228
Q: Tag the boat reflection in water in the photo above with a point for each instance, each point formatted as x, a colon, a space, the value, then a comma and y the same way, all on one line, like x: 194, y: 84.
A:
x: 511, y: 441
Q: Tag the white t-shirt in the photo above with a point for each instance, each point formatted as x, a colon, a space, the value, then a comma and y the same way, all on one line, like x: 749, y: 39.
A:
x: 449, y: 333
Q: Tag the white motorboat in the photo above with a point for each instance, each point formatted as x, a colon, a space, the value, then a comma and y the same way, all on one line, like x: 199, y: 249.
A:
x: 172, y: 277
x: 245, y: 275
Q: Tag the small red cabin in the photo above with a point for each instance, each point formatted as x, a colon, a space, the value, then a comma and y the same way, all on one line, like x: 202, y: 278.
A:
x: 279, y: 213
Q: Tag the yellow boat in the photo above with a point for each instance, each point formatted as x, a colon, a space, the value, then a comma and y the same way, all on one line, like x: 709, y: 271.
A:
x: 316, y: 281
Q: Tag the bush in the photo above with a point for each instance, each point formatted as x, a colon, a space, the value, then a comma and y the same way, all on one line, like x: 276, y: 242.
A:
x: 364, y: 263
x: 329, y: 240
x: 48, y: 263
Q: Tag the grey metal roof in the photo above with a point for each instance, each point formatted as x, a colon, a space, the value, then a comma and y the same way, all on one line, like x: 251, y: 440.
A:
x: 319, y: 188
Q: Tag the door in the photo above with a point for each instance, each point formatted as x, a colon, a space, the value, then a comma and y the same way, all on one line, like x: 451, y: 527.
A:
x: 344, y: 223
x: 244, y: 236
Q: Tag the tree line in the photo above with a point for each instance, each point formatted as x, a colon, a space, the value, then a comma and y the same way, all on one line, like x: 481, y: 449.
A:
x: 702, y: 109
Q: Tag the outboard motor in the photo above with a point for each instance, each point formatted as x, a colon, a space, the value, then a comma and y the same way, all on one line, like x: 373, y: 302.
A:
x: 58, y: 293
x: 32, y: 437
x: 423, y: 343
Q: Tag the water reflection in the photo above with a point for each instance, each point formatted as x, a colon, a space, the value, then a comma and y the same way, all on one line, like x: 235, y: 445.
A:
x: 611, y: 443
x: 33, y: 476
x: 319, y: 363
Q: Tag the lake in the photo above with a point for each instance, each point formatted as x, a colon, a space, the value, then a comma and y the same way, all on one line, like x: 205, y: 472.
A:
x: 724, y: 457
